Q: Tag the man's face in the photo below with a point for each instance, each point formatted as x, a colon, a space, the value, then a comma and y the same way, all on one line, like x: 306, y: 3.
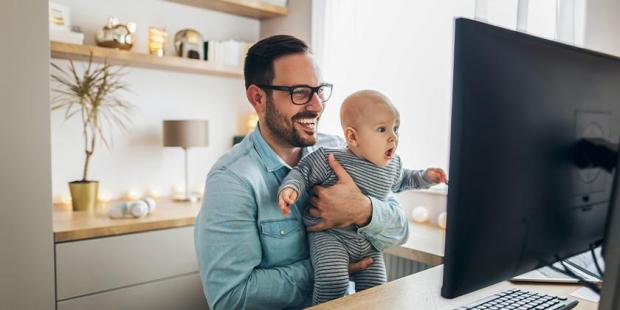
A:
x: 293, y: 124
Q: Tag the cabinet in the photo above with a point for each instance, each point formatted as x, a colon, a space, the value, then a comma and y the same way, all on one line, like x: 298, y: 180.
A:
x: 147, y: 270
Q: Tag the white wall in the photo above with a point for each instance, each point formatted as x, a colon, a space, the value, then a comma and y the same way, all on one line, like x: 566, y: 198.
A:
x: 26, y: 242
x: 137, y: 161
x: 296, y: 23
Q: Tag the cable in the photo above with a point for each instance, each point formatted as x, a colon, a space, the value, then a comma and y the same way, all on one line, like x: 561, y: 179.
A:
x: 579, y: 279
x: 598, y: 267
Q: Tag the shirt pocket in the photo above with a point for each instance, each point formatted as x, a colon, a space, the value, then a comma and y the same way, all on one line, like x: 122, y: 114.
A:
x: 283, y: 242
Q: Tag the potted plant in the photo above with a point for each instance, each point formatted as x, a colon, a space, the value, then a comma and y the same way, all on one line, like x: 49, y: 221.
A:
x: 90, y: 97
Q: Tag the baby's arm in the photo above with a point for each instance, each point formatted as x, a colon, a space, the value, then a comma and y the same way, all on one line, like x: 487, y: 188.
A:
x: 417, y: 179
x: 311, y: 170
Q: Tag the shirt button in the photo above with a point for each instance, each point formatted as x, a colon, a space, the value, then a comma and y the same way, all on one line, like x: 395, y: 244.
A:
x: 282, y: 232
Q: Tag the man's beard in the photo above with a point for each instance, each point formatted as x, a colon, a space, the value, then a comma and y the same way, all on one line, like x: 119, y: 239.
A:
x: 284, y: 128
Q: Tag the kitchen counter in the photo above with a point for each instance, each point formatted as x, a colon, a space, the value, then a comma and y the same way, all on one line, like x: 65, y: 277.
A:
x: 72, y: 226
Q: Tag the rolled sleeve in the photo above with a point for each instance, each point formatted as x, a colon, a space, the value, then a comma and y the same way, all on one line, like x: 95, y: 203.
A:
x: 388, y: 226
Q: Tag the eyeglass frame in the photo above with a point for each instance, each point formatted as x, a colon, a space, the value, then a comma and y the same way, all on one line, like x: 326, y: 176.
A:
x: 289, y: 89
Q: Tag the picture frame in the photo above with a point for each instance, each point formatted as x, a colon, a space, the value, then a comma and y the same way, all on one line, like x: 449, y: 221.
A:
x: 59, y: 17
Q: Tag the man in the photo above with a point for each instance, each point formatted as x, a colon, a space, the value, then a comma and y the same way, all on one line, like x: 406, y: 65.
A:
x: 250, y: 255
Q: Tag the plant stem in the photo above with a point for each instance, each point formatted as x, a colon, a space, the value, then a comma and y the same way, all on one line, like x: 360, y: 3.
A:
x: 85, y: 133
x: 88, y: 154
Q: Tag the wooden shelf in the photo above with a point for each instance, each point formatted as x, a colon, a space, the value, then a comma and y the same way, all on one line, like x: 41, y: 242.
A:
x: 131, y: 59
x: 248, y: 8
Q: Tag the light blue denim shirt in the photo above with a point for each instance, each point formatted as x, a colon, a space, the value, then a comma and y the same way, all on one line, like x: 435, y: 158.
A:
x: 251, y: 256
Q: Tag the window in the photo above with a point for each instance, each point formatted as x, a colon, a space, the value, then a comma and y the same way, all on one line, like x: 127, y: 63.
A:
x: 404, y: 50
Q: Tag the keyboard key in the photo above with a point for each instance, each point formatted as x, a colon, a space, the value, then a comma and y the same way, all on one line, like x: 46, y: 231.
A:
x: 521, y: 300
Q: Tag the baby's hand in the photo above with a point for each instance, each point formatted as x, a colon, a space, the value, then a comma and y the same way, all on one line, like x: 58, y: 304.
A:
x: 287, y: 197
x: 436, y: 175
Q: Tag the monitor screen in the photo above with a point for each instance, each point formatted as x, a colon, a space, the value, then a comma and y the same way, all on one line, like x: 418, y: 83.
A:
x: 517, y: 200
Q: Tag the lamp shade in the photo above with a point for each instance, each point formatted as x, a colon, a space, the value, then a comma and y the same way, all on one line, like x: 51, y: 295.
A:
x: 186, y: 133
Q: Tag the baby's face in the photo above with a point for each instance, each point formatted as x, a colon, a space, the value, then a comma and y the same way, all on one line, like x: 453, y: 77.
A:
x: 378, y: 135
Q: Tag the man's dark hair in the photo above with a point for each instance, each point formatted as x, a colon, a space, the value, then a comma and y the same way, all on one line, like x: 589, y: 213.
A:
x: 258, y: 67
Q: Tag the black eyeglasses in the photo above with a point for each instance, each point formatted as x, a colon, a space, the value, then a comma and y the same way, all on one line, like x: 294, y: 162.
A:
x: 302, y: 94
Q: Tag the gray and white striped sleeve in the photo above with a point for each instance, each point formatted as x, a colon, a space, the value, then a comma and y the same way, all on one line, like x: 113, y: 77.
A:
x: 311, y: 170
x: 410, y: 179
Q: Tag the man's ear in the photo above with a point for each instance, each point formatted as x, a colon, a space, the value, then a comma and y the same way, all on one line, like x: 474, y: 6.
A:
x: 257, y: 98
x: 351, y: 136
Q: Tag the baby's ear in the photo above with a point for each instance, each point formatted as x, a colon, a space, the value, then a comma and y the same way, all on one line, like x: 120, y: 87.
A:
x: 351, y: 136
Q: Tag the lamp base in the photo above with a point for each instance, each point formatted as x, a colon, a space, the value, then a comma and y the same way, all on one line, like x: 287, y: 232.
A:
x: 186, y: 199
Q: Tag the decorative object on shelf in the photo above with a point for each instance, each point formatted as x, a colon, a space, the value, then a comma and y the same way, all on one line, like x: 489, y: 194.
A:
x: 419, y: 214
x: 60, y: 28
x: 116, y: 35
x: 135, y: 208
x: 186, y: 134
x: 188, y: 43
x: 442, y: 220
x: 91, y: 96
x: 157, y: 41
x: 60, y: 17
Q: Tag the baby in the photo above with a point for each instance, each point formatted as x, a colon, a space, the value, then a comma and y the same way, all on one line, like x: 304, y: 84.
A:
x: 370, y: 123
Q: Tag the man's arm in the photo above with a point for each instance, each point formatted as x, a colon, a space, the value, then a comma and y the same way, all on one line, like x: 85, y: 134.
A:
x: 388, y: 225
x: 229, y: 252
x: 343, y: 204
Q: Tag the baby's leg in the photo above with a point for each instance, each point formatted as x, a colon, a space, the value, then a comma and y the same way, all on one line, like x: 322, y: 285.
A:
x: 372, y: 276
x: 330, y: 261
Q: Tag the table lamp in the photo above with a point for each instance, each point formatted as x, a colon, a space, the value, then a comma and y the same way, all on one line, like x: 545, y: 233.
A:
x: 186, y: 134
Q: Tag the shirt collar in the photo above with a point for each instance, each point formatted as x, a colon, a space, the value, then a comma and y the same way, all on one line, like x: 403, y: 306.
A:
x: 272, y: 161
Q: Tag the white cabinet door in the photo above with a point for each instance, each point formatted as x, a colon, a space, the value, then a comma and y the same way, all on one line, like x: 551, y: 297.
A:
x: 179, y: 293
x: 97, y: 265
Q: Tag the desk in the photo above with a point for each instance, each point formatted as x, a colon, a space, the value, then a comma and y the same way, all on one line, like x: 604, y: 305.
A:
x: 422, y: 291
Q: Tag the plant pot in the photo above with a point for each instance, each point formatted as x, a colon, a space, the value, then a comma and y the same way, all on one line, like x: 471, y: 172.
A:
x: 84, y: 195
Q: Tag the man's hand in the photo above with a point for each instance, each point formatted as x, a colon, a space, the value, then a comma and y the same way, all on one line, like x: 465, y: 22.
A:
x: 287, y: 197
x: 436, y: 175
x: 341, y: 204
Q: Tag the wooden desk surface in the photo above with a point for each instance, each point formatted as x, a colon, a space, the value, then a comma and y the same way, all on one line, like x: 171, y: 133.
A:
x: 422, y: 291
x: 72, y: 226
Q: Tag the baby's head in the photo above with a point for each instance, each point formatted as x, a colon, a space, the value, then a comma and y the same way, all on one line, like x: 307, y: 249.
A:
x: 370, y: 123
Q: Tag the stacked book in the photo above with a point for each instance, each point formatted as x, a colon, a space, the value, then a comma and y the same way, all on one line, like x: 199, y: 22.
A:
x: 67, y: 36
x: 229, y: 52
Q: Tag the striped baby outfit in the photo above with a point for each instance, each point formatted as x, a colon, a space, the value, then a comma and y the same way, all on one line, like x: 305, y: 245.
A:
x: 332, y: 250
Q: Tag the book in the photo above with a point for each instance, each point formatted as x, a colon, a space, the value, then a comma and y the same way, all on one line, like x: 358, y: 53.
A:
x: 67, y: 37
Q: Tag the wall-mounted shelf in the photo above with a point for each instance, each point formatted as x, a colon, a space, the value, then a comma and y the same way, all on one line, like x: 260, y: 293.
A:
x: 132, y: 59
x: 249, y: 8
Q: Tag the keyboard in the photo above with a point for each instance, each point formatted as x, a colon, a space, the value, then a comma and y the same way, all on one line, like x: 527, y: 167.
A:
x: 521, y: 300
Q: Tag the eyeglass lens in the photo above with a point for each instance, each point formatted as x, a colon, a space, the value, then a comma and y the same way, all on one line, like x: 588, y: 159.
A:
x: 303, y: 94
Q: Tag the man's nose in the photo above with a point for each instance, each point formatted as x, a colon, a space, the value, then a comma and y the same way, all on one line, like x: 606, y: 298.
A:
x: 315, y: 104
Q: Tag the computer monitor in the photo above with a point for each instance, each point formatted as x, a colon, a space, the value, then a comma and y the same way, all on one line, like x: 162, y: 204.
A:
x: 517, y: 200
x: 610, y: 296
